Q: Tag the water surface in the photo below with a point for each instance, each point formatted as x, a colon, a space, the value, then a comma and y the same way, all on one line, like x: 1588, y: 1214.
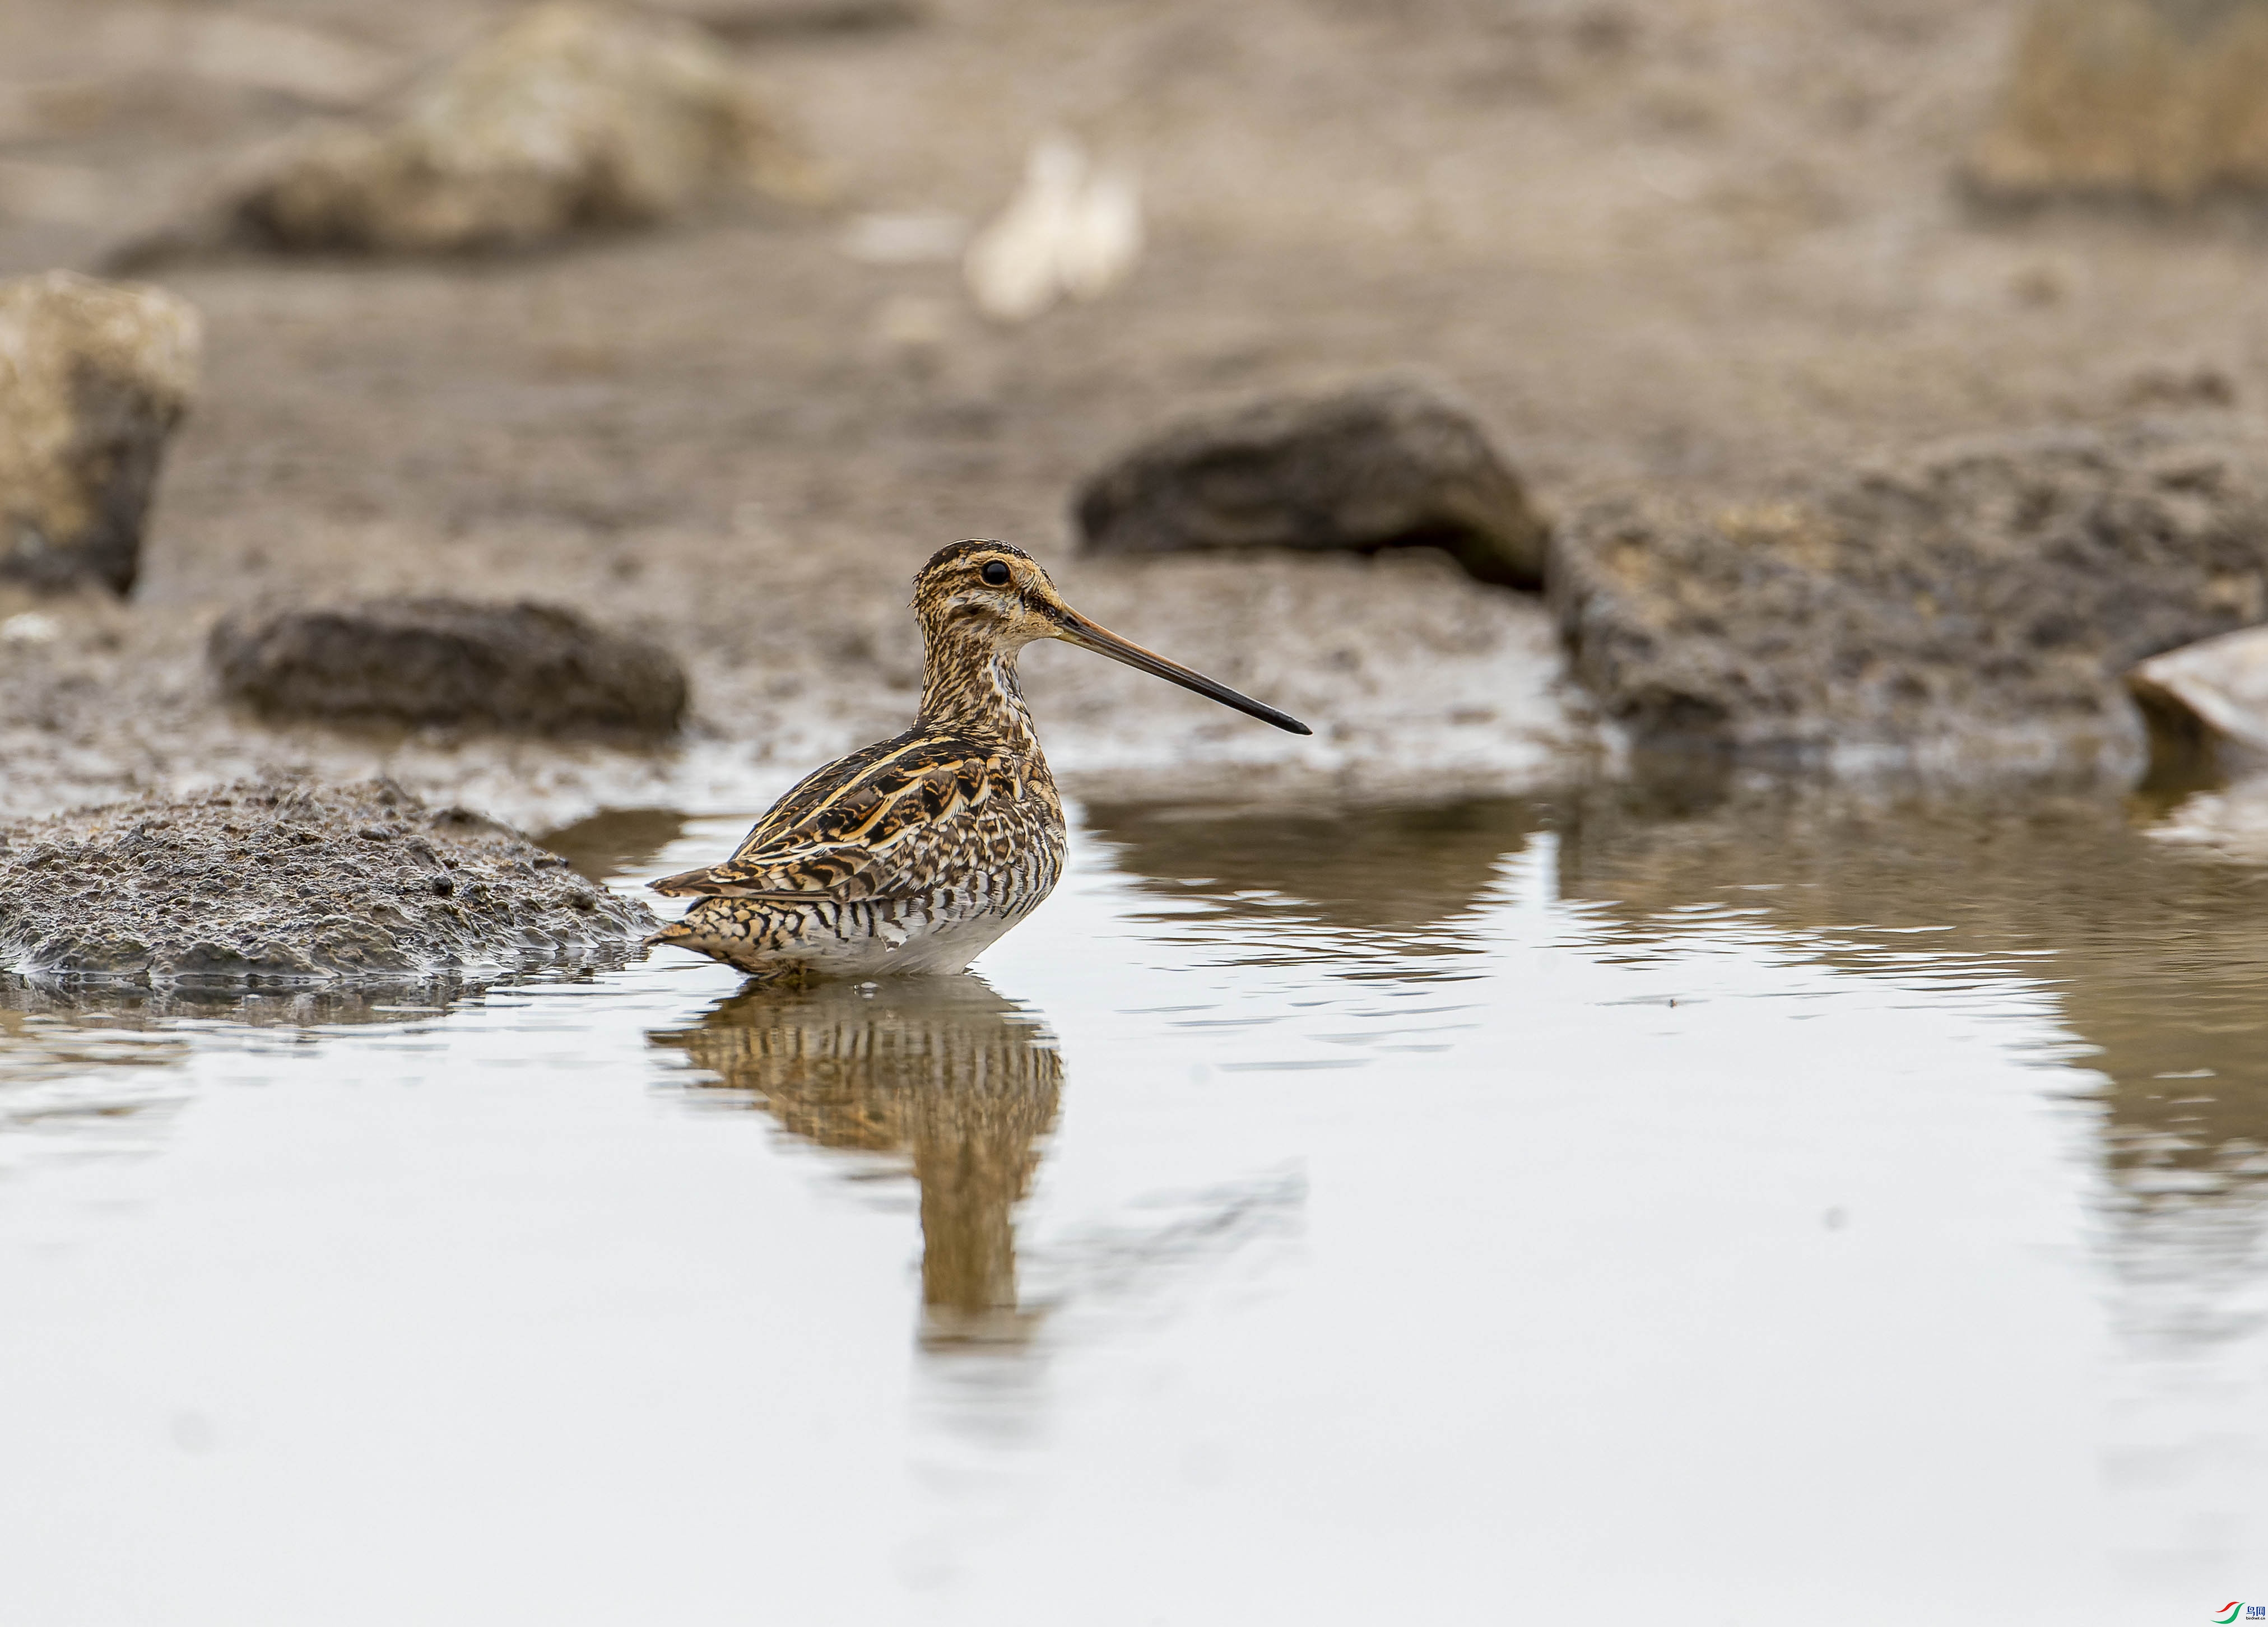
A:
x: 1746, y: 1208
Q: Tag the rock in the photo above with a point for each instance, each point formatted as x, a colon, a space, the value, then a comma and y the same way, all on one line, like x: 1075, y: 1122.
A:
x: 569, y: 117
x: 528, y: 668
x: 1384, y: 465
x: 93, y: 378
x: 771, y: 20
x: 266, y: 882
x: 2207, y: 706
x: 2162, y: 100
x: 1072, y: 229
x: 1968, y: 608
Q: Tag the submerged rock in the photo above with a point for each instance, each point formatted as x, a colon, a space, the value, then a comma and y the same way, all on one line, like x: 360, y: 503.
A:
x: 571, y: 117
x: 271, y: 881
x: 2162, y: 100
x: 1968, y: 608
x: 93, y: 378
x: 1380, y: 465
x: 2207, y: 706
x: 536, y: 668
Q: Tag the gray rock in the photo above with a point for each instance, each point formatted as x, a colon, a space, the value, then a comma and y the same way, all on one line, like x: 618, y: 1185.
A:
x: 569, y: 117
x: 2207, y: 707
x: 528, y: 668
x: 1966, y: 609
x: 273, y: 882
x: 93, y: 378
x: 1380, y: 465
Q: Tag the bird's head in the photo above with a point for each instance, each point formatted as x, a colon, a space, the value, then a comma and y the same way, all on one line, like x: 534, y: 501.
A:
x: 997, y: 598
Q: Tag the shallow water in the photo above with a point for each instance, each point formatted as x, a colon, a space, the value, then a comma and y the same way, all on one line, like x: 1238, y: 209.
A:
x: 1745, y: 1208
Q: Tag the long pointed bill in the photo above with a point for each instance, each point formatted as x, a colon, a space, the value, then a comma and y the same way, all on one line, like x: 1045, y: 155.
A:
x: 1079, y: 631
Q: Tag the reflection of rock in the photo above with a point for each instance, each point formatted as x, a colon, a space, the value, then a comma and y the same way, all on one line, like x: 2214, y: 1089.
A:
x: 532, y: 667
x: 2162, y: 99
x: 93, y: 376
x: 2207, y: 704
x: 2231, y: 824
x: 267, y: 882
x: 571, y: 117
x: 941, y: 1068
x: 609, y: 843
x: 1385, y: 465
x: 1355, y: 868
x: 2156, y: 957
x: 139, y: 1005
x: 1969, y: 608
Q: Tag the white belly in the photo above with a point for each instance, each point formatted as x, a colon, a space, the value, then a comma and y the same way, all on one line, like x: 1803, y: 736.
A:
x: 909, y: 949
x: 906, y: 939
x: 929, y: 934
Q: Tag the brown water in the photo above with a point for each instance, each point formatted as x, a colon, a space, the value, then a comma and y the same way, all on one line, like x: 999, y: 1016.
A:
x: 1751, y: 1209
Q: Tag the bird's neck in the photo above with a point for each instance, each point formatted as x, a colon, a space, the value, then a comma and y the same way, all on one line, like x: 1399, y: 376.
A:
x: 971, y: 688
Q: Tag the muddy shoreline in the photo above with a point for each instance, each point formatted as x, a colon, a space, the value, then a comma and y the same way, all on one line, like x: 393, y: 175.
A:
x: 1704, y: 251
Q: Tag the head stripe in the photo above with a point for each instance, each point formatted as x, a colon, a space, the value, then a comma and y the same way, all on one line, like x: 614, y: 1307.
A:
x: 961, y: 550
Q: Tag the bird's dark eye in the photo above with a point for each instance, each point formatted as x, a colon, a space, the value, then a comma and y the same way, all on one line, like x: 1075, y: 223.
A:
x: 995, y: 573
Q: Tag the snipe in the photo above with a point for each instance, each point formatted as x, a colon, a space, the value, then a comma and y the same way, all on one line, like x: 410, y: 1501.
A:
x: 914, y: 855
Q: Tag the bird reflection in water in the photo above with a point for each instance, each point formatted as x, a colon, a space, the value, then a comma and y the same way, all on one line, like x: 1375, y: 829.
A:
x: 940, y: 1068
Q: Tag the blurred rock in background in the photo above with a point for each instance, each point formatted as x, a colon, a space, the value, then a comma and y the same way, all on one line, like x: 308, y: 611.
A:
x: 2161, y: 100
x: 569, y: 117
x: 782, y: 19
x: 527, y: 668
x: 1966, y: 608
x: 93, y: 378
x: 1388, y: 464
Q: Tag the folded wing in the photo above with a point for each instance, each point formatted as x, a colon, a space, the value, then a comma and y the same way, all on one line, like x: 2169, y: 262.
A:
x: 888, y: 822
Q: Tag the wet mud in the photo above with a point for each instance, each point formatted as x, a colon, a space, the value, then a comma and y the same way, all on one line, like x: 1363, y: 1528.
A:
x: 1696, y: 250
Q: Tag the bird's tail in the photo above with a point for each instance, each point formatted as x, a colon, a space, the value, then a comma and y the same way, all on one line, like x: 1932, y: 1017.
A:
x: 682, y: 933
